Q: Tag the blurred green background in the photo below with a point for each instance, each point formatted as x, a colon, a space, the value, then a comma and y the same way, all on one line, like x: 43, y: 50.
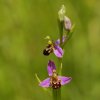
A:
x: 23, y: 26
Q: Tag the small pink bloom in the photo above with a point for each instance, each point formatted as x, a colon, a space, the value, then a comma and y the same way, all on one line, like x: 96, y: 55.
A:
x: 54, y: 80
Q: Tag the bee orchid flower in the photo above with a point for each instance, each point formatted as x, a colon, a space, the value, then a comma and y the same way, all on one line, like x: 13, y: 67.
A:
x: 54, y: 80
x: 55, y: 48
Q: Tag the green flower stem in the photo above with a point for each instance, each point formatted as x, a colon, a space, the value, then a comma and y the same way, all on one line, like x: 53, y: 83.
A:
x: 57, y: 94
x: 60, y: 68
x: 61, y: 25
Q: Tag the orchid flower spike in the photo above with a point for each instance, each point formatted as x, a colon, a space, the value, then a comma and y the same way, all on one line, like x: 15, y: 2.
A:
x: 54, y: 80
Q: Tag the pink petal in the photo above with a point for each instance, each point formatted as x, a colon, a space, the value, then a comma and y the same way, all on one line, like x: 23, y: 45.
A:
x: 45, y: 83
x: 58, y: 51
x: 51, y: 67
x: 67, y: 23
x: 64, y: 80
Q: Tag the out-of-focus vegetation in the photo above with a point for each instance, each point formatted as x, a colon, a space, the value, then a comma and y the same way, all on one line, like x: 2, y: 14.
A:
x: 23, y: 26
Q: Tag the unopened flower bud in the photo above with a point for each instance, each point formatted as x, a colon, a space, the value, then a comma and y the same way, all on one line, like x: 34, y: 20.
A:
x: 61, y: 13
x: 67, y: 23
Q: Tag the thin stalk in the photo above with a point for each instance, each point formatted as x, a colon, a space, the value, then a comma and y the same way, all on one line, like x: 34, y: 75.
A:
x: 60, y: 68
x: 61, y: 25
x: 56, y: 94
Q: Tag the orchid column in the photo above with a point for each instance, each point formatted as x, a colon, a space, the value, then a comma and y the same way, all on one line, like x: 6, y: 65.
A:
x: 55, y: 80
